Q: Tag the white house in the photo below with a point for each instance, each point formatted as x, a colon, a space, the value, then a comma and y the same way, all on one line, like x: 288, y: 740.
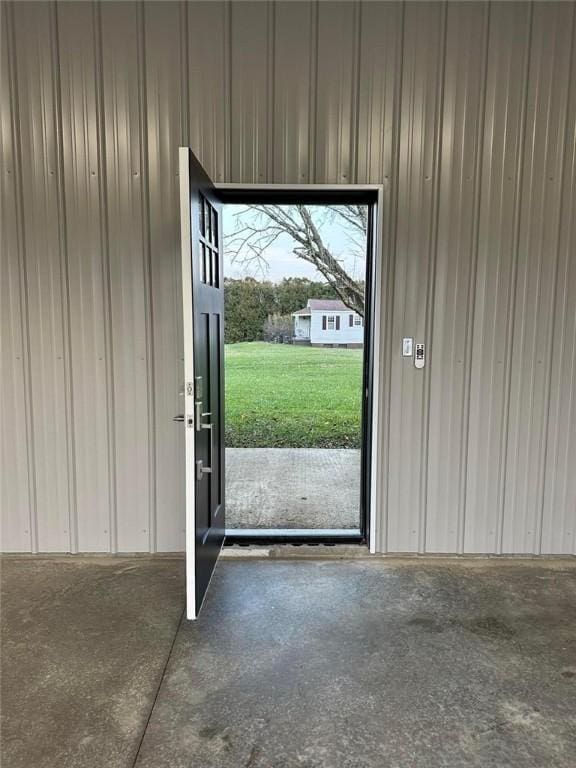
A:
x: 328, y: 322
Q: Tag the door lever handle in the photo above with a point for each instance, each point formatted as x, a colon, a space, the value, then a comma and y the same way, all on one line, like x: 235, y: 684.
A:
x: 201, y: 470
x: 180, y: 417
x: 200, y: 425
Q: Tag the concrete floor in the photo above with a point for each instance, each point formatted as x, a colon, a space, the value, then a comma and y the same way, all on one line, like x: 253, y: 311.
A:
x: 292, y: 488
x: 84, y: 645
x: 364, y: 663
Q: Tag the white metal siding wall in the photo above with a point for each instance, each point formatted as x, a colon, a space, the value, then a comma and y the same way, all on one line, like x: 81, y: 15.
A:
x: 346, y: 334
x: 466, y: 112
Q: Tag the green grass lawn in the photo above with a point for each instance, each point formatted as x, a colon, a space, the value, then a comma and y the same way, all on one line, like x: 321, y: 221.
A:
x: 279, y: 395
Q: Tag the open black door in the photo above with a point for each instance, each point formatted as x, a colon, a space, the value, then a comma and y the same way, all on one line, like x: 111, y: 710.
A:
x: 203, y: 304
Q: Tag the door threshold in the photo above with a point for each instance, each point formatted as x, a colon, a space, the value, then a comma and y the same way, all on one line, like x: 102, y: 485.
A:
x: 294, y: 536
x: 286, y: 551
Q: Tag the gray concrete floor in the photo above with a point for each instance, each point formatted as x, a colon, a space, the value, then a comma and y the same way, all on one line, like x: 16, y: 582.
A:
x: 84, y: 643
x: 364, y: 663
x: 292, y: 488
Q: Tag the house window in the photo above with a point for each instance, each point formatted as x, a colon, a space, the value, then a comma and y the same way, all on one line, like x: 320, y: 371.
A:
x: 357, y: 320
x: 330, y: 322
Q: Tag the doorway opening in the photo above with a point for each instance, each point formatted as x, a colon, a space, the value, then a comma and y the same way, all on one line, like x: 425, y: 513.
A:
x: 299, y: 350
x: 203, y: 393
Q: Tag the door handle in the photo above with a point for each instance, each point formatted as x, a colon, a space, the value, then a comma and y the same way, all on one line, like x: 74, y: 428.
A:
x: 199, y: 414
x: 188, y: 419
x: 201, y: 470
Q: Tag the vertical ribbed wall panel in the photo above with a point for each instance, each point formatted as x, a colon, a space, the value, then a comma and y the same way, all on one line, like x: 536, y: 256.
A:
x: 46, y: 289
x: 294, y: 90
x: 535, y: 291
x: 17, y: 506
x: 454, y: 274
x: 122, y: 68
x: 163, y: 126
x: 87, y: 278
x: 252, y: 51
x: 206, y: 86
x: 559, y: 512
x: 504, y: 124
x: 421, y: 101
x: 465, y: 112
x: 381, y: 40
x: 336, y: 92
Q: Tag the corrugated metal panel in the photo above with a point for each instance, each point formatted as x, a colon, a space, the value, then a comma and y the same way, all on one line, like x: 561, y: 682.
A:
x: 540, y: 203
x: 17, y: 498
x: 381, y: 33
x: 416, y: 221
x: 45, y: 273
x: 336, y: 90
x: 164, y: 121
x: 251, y: 76
x: 87, y: 279
x: 206, y: 27
x: 129, y: 268
x: 454, y: 274
x: 504, y: 126
x: 294, y: 91
x: 466, y: 112
x: 559, y: 502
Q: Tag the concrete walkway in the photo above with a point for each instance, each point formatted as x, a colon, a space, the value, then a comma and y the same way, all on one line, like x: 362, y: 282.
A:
x: 292, y: 488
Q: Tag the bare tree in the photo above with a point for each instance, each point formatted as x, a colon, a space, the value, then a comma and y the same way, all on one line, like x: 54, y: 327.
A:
x: 259, y: 226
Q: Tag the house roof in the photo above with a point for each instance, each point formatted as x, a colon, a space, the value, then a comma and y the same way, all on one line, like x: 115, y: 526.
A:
x: 323, y: 305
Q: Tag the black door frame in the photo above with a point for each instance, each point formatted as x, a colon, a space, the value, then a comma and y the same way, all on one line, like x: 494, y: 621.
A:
x: 321, y: 194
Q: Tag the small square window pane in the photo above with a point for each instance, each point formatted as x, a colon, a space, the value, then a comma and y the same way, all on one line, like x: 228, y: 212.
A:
x: 208, y: 220
x: 215, y: 227
x: 215, y: 269
x: 203, y: 274
x: 209, y: 272
x: 201, y: 214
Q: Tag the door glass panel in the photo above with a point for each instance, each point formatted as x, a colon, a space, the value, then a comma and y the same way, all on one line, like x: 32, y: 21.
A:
x: 203, y: 272
x: 215, y: 269
x: 201, y: 220
x: 208, y: 259
x: 215, y: 227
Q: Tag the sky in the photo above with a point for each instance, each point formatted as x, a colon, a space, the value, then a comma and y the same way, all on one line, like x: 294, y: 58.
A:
x: 281, y: 262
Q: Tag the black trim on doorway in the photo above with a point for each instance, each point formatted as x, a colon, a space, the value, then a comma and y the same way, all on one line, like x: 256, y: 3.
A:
x: 333, y: 196
x: 368, y: 374
x: 296, y: 536
x: 296, y: 196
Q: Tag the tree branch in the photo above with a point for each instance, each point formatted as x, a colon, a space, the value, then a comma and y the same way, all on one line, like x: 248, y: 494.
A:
x: 250, y: 242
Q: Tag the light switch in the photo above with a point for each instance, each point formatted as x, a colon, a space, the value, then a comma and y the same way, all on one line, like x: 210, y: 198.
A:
x: 407, y: 347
